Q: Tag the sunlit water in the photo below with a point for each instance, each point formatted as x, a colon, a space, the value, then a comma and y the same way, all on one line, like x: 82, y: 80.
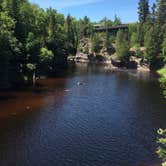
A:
x: 90, y: 117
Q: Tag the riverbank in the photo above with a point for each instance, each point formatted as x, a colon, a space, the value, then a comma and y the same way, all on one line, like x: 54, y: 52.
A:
x: 105, y: 119
x: 86, y: 54
x: 133, y: 65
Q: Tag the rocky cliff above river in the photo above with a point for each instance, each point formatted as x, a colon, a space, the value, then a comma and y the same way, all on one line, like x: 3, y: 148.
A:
x: 85, y: 54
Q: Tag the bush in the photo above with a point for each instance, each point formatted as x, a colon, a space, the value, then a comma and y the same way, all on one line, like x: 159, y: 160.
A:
x: 164, y: 48
x: 45, y: 55
x: 162, y: 133
x: 162, y: 80
x: 139, y: 53
x: 134, y: 41
x: 122, y: 47
x: 96, y: 43
x: 162, y: 148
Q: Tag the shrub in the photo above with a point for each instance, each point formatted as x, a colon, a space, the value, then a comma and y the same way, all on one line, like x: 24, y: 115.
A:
x: 122, y: 47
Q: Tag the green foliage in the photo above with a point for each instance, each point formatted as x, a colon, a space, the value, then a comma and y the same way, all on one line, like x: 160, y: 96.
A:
x: 139, y: 53
x: 112, y: 39
x: 72, y: 35
x: 46, y: 55
x: 162, y: 148
x: 143, y: 10
x: 153, y: 13
x: 8, y: 45
x: 161, y: 12
x: 45, y: 60
x: 141, y: 34
x: 151, y: 31
x: 116, y: 21
x: 107, y: 41
x: 30, y: 35
x: 134, y: 41
x: 85, y: 27
x: 133, y: 28
x: 152, y: 45
x: 164, y: 48
x: 162, y: 72
x: 161, y: 151
x: 31, y: 66
x: 107, y: 22
x: 122, y: 47
x: 162, y: 80
x: 96, y: 43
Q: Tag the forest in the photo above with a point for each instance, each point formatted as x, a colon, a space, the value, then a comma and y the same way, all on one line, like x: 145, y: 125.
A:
x: 34, y: 40
x: 37, y: 42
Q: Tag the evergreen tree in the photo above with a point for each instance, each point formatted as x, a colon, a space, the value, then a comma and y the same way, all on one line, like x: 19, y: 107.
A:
x: 96, y: 41
x: 164, y: 48
x: 107, y: 42
x: 85, y: 27
x: 57, y: 38
x: 143, y: 10
x: 71, y: 35
x: 161, y: 12
x: 152, y: 45
x: 116, y: 21
x: 153, y: 13
x: 8, y: 46
x: 134, y: 40
x: 122, y: 47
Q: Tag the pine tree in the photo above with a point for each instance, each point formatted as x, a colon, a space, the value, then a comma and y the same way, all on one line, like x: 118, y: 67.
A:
x: 134, y: 41
x: 107, y: 42
x: 122, y: 47
x: 153, y: 13
x: 71, y: 35
x: 143, y: 10
x: 164, y: 48
x: 152, y: 44
x: 161, y: 12
x: 96, y: 40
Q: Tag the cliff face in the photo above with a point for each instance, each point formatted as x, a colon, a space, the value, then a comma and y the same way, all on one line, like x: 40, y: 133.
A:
x: 105, y: 55
x: 85, y: 52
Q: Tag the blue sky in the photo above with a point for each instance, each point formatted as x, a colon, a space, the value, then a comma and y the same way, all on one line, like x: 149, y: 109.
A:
x: 95, y: 9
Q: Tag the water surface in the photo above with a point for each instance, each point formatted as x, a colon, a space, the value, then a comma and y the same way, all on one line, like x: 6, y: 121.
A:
x: 90, y: 117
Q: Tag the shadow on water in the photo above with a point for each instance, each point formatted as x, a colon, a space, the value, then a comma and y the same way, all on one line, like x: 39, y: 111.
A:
x: 109, y: 119
x: 27, y: 100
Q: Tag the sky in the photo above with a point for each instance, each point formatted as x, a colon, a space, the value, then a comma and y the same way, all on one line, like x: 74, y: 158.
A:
x: 126, y: 10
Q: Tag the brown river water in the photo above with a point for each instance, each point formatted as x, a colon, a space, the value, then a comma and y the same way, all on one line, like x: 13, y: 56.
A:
x: 90, y: 116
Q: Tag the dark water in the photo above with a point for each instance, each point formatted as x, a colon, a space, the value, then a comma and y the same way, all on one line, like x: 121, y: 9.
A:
x: 109, y: 120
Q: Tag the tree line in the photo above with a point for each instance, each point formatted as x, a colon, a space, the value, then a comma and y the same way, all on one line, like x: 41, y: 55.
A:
x: 34, y: 40
x: 150, y: 32
x: 147, y: 36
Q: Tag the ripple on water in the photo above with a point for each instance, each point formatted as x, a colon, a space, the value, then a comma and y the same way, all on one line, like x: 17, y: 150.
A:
x: 111, y: 120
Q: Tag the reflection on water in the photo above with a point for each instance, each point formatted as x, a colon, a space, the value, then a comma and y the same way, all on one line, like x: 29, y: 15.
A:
x: 19, y: 102
x: 109, y: 119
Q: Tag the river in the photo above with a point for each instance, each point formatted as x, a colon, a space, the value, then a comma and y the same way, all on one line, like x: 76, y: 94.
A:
x: 90, y: 116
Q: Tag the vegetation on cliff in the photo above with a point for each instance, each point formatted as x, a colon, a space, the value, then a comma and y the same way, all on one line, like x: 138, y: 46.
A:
x: 33, y: 40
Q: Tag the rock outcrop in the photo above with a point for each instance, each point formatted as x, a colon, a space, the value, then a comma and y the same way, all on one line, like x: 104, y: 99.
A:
x: 108, y: 56
x: 85, y: 53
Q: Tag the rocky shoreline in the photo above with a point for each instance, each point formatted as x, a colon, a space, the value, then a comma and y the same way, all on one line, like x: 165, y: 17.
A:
x: 85, y: 54
x: 135, y: 63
